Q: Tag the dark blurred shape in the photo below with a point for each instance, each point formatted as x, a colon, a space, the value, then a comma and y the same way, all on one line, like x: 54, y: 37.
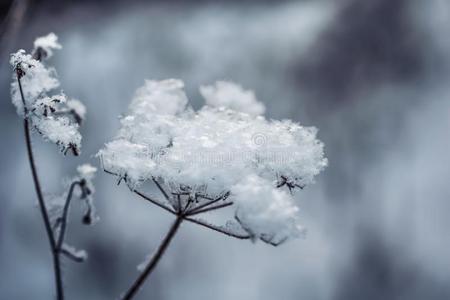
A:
x: 371, y: 42
x: 12, y: 14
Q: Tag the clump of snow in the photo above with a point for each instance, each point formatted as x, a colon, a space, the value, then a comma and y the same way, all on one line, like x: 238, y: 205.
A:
x: 48, y: 43
x: 162, y: 97
x: 59, y: 130
x: 265, y: 211
x: 86, y: 171
x: 217, y: 150
x: 231, y: 95
x: 73, y: 253
x: 127, y: 159
x: 55, y: 117
x: 77, y: 107
x: 36, y: 81
x: 48, y: 105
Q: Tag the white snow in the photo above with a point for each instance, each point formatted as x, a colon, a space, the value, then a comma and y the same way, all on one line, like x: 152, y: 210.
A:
x: 231, y: 95
x: 215, y: 150
x: 48, y: 43
x: 265, y: 210
x: 37, y: 80
x: 86, y: 171
x: 49, y: 115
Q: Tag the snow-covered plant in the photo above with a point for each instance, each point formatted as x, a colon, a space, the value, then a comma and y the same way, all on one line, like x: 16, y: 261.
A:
x: 57, y: 119
x: 227, y: 154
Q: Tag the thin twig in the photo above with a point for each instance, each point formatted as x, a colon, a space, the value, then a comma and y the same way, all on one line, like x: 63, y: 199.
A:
x: 163, y: 206
x: 132, y: 291
x: 184, y: 210
x: 217, y: 228
x: 206, y: 209
x: 63, y: 218
x: 160, y: 188
x: 275, y: 244
x: 223, y: 197
x: 70, y: 112
x: 70, y: 255
x: 179, y: 203
x: 42, y: 207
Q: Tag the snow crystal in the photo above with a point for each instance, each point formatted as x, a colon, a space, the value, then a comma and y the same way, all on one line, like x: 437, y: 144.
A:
x: 48, y: 105
x: 265, y: 211
x: 47, y: 43
x: 231, y: 95
x: 86, y: 171
x: 162, y: 97
x: 59, y: 130
x: 52, y: 116
x: 37, y: 80
x: 73, y: 253
x: 77, y: 107
x: 142, y: 265
x: 216, y: 150
x: 127, y: 159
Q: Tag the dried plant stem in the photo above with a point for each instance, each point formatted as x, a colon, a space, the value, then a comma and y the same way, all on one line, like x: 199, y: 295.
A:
x: 181, y: 214
x: 42, y: 207
x: 154, y: 260
x: 63, y: 225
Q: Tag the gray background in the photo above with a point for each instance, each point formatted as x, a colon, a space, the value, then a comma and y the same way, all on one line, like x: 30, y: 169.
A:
x: 372, y: 75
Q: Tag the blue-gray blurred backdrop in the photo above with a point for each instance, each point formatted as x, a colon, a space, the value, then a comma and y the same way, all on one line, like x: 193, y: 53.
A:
x: 372, y: 75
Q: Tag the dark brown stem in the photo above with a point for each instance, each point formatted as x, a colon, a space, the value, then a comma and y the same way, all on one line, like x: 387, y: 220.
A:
x: 132, y: 291
x: 211, y: 202
x: 218, y: 229
x: 160, y: 188
x: 206, y: 209
x: 157, y: 203
x: 62, y: 231
x: 42, y: 207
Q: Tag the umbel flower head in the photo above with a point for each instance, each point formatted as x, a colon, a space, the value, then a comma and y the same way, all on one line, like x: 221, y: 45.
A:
x: 226, y: 152
x: 56, y: 117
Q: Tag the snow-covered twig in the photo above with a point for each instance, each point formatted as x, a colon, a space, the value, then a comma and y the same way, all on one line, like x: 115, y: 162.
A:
x: 48, y: 117
x: 42, y: 207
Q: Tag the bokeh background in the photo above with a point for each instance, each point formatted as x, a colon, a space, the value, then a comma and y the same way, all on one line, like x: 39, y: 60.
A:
x: 372, y: 75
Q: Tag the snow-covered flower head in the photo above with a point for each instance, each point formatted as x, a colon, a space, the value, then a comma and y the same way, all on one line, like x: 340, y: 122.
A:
x: 47, y: 43
x: 226, y: 148
x: 55, y: 117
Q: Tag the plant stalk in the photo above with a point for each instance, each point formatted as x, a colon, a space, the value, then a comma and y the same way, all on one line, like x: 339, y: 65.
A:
x: 132, y: 291
x: 42, y: 207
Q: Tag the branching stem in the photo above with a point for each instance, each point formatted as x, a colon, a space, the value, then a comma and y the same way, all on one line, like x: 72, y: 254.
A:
x: 181, y: 215
x: 217, y: 228
x: 65, y: 213
x: 157, y: 203
x: 154, y: 260
x: 206, y: 209
x: 42, y: 207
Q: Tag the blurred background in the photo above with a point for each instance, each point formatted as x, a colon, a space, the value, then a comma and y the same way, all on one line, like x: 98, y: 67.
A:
x: 372, y: 75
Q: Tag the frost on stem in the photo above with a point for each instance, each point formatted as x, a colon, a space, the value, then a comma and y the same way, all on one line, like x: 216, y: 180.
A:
x: 86, y: 173
x: 47, y: 43
x: 225, y: 154
x: 73, y: 253
x: 80, y: 187
x: 55, y: 117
